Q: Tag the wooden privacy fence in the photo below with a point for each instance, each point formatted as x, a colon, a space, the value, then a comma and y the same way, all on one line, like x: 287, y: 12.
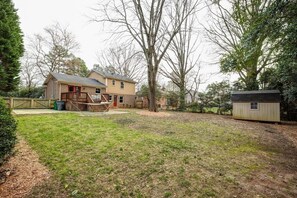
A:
x: 29, y: 103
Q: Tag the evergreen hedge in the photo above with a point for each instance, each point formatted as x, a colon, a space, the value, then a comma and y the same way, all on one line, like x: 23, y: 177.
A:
x: 8, y: 127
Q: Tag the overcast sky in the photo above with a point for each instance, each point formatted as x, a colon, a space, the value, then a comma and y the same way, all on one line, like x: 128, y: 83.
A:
x: 38, y: 14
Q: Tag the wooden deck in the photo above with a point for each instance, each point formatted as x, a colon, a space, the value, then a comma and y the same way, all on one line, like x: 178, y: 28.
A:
x: 83, y: 101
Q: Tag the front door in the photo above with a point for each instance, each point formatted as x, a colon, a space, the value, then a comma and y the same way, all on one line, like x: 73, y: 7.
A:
x: 115, y: 100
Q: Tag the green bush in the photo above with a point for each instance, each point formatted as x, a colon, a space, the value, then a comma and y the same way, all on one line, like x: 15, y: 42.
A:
x: 196, y: 107
x: 193, y: 107
x: 7, y: 131
x: 23, y: 92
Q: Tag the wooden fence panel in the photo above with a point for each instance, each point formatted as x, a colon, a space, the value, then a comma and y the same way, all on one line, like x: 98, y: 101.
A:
x: 42, y: 104
x: 29, y: 103
x: 21, y: 103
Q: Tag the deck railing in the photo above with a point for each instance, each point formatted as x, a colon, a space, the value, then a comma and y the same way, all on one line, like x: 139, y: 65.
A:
x: 83, y: 97
x: 75, y: 97
x: 83, y: 101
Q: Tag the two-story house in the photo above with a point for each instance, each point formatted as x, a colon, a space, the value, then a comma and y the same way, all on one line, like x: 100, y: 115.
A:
x: 56, y: 84
x: 121, y: 89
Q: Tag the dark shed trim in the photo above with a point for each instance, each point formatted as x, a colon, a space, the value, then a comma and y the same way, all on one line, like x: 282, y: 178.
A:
x: 256, y: 96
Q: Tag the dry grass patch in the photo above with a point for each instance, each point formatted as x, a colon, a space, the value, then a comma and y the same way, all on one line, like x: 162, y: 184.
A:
x: 153, y: 114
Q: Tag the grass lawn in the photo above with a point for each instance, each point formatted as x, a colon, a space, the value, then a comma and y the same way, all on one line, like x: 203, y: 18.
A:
x: 130, y: 155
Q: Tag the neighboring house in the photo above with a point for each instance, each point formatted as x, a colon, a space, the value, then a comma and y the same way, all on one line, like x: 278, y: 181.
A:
x: 143, y: 103
x: 121, y: 89
x: 256, y: 105
x: 56, y: 84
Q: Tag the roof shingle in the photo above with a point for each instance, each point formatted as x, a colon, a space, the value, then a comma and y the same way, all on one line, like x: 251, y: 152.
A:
x: 114, y: 76
x: 77, y: 80
x: 256, y: 96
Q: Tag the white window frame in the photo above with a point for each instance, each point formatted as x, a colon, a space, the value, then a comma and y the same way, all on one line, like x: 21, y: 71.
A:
x: 252, y: 104
x: 122, y: 99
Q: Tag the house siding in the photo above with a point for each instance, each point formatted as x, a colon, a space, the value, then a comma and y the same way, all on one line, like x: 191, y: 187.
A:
x: 96, y: 76
x: 52, y: 90
x: 90, y: 90
x: 265, y: 112
x: 129, y: 88
x: 129, y: 101
x: 128, y: 92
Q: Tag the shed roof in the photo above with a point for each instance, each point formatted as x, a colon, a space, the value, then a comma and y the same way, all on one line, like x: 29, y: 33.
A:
x: 256, y: 96
x: 76, y: 80
x: 114, y: 76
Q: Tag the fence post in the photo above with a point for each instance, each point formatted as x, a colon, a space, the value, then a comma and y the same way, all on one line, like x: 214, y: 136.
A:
x: 32, y: 103
x: 49, y: 103
x: 11, y: 102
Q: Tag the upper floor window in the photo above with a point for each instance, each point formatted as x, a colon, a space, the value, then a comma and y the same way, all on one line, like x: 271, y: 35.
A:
x: 122, y: 85
x: 113, y: 82
x: 254, y: 105
x: 98, y: 90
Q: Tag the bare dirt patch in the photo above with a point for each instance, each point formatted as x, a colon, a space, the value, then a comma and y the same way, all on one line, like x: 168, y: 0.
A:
x: 153, y: 114
x: 22, y: 172
x: 288, y: 129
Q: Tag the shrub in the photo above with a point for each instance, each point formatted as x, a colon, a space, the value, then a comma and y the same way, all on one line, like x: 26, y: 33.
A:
x: 193, y: 107
x: 196, y: 107
x: 7, y: 131
x: 23, y: 92
x: 225, y: 108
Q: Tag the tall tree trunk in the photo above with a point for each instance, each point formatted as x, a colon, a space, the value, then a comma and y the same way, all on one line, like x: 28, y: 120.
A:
x: 182, y: 96
x: 251, y: 82
x: 152, y: 90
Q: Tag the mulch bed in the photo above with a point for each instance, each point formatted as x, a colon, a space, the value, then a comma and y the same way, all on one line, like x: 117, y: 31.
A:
x: 21, y: 172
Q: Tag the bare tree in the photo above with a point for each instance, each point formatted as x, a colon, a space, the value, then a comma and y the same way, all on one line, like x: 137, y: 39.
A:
x: 152, y: 24
x: 29, y: 73
x: 181, y: 58
x: 240, y: 29
x: 123, y: 60
x: 51, y: 49
x: 194, y: 80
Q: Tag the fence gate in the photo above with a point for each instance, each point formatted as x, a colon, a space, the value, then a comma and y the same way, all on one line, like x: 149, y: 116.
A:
x: 29, y: 103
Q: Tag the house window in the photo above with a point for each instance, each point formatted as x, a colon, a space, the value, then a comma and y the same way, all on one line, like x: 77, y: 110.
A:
x: 110, y: 98
x: 121, y: 99
x: 254, y: 105
x: 98, y: 90
x: 70, y: 88
x: 122, y: 85
x: 75, y: 89
x: 113, y: 82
